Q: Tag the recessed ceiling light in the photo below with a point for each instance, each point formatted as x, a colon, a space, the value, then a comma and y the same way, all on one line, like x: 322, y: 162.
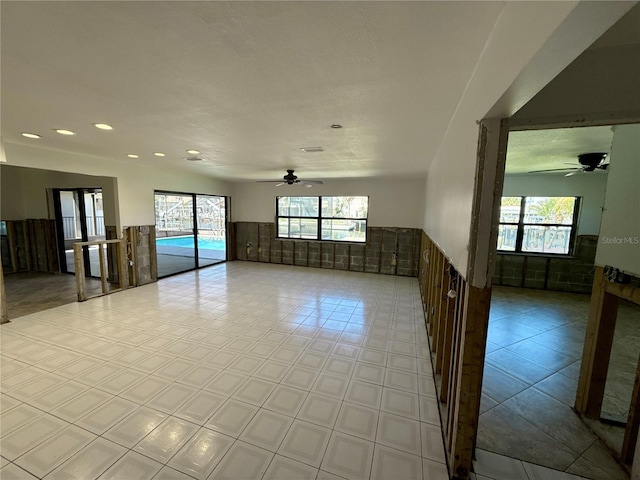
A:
x: 132, y: 155
x: 31, y: 135
x: 159, y: 154
x: 312, y: 149
x: 336, y: 125
x: 103, y: 126
x: 193, y: 152
x: 62, y: 131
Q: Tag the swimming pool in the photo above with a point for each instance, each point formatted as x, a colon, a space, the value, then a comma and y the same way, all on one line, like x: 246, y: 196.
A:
x: 187, y: 242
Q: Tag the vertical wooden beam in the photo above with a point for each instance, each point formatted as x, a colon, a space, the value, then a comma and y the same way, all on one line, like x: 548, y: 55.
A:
x: 437, y: 299
x: 4, y: 314
x: 469, y: 381
x: 153, y: 254
x: 450, y: 327
x: 455, y: 358
x: 78, y: 261
x: 122, y: 264
x: 27, y: 246
x: 52, y: 246
x: 103, y: 276
x: 633, y: 422
x: 434, y: 260
x: 442, y: 319
x: 597, y: 348
x: 11, y: 237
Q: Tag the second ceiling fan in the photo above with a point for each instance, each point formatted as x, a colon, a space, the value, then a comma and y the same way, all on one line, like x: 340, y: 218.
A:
x: 291, y: 179
x: 588, y: 163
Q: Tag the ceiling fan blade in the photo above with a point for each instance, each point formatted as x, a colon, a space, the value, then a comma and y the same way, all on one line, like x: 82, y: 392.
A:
x: 551, y: 170
x: 312, y: 182
x: 570, y: 174
x: 268, y: 181
x: 278, y: 184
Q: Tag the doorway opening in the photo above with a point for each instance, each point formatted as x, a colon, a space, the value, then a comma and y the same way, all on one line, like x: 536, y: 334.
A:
x: 191, y: 231
x: 540, y: 308
x: 79, y: 214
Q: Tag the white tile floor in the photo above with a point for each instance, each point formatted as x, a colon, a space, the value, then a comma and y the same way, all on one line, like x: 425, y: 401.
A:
x: 237, y: 371
x: 242, y: 371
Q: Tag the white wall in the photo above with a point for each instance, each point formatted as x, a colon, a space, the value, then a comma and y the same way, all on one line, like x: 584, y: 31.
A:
x: 529, y: 45
x: 11, y: 196
x: 392, y: 202
x: 619, y: 243
x: 519, y: 33
x: 135, y: 184
x: 30, y: 199
x: 589, y: 186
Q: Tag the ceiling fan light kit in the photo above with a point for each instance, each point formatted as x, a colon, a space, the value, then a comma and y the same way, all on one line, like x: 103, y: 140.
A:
x: 589, y: 162
x: 291, y: 179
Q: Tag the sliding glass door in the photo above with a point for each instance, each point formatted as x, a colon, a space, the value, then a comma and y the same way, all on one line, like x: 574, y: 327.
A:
x: 80, y: 218
x: 211, y: 216
x: 190, y: 231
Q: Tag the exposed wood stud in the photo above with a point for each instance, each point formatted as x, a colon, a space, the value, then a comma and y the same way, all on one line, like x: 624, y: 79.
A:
x: 597, y: 348
x: 27, y: 244
x: 11, y: 237
x: 4, y: 316
x: 633, y: 422
x: 441, y: 320
x: 80, y: 271
x: 103, y: 276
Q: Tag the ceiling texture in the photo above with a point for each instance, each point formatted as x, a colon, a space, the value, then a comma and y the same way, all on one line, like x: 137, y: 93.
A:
x: 250, y: 84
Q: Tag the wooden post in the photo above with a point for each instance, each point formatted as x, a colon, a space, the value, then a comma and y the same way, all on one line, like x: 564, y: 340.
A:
x: 123, y: 277
x: 452, y: 394
x: 153, y: 254
x: 79, y: 267
x: 469, y: 381
x: 4, y: 315
x: 27, y: 246
x: 80, y: 271
x: 450, y: 323
x: 11, y: 237
x: 442, y: 318
x: 103, y: 276
x: 597, y: 348
x: 633, y: 423
x: 437, y: 299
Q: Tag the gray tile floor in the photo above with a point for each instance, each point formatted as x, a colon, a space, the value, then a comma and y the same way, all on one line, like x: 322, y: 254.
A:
x: 221, y: 300
x: 33, y: 292
x: 240, y: 370
x: 532, y: 365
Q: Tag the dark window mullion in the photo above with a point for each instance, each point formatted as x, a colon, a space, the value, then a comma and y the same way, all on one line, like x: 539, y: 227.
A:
x: 194, y: 212
x: 520, y: 232
x: 574, y: 226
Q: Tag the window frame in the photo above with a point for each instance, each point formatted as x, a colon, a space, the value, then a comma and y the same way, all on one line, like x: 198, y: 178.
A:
x: 319, y: 218
x: 521, y: 224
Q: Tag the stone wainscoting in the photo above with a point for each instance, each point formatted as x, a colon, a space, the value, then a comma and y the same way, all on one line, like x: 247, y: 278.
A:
x: 564, y: 274
x: 388, y: 250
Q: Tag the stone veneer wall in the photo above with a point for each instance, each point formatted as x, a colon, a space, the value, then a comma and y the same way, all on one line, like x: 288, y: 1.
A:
x: 562, y: 274
x: 389, y: 250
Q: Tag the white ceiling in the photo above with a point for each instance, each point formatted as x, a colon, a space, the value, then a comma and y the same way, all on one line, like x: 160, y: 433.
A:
x: 248, y: 83
x: 533, y: 150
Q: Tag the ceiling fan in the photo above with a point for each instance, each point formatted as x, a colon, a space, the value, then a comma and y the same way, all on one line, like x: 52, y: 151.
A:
x: 291, y: 179
x: 588, y: 163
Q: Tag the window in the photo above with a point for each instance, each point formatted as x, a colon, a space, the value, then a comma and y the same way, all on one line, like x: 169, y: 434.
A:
x: 341, y: 219
x: 538, y: 224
